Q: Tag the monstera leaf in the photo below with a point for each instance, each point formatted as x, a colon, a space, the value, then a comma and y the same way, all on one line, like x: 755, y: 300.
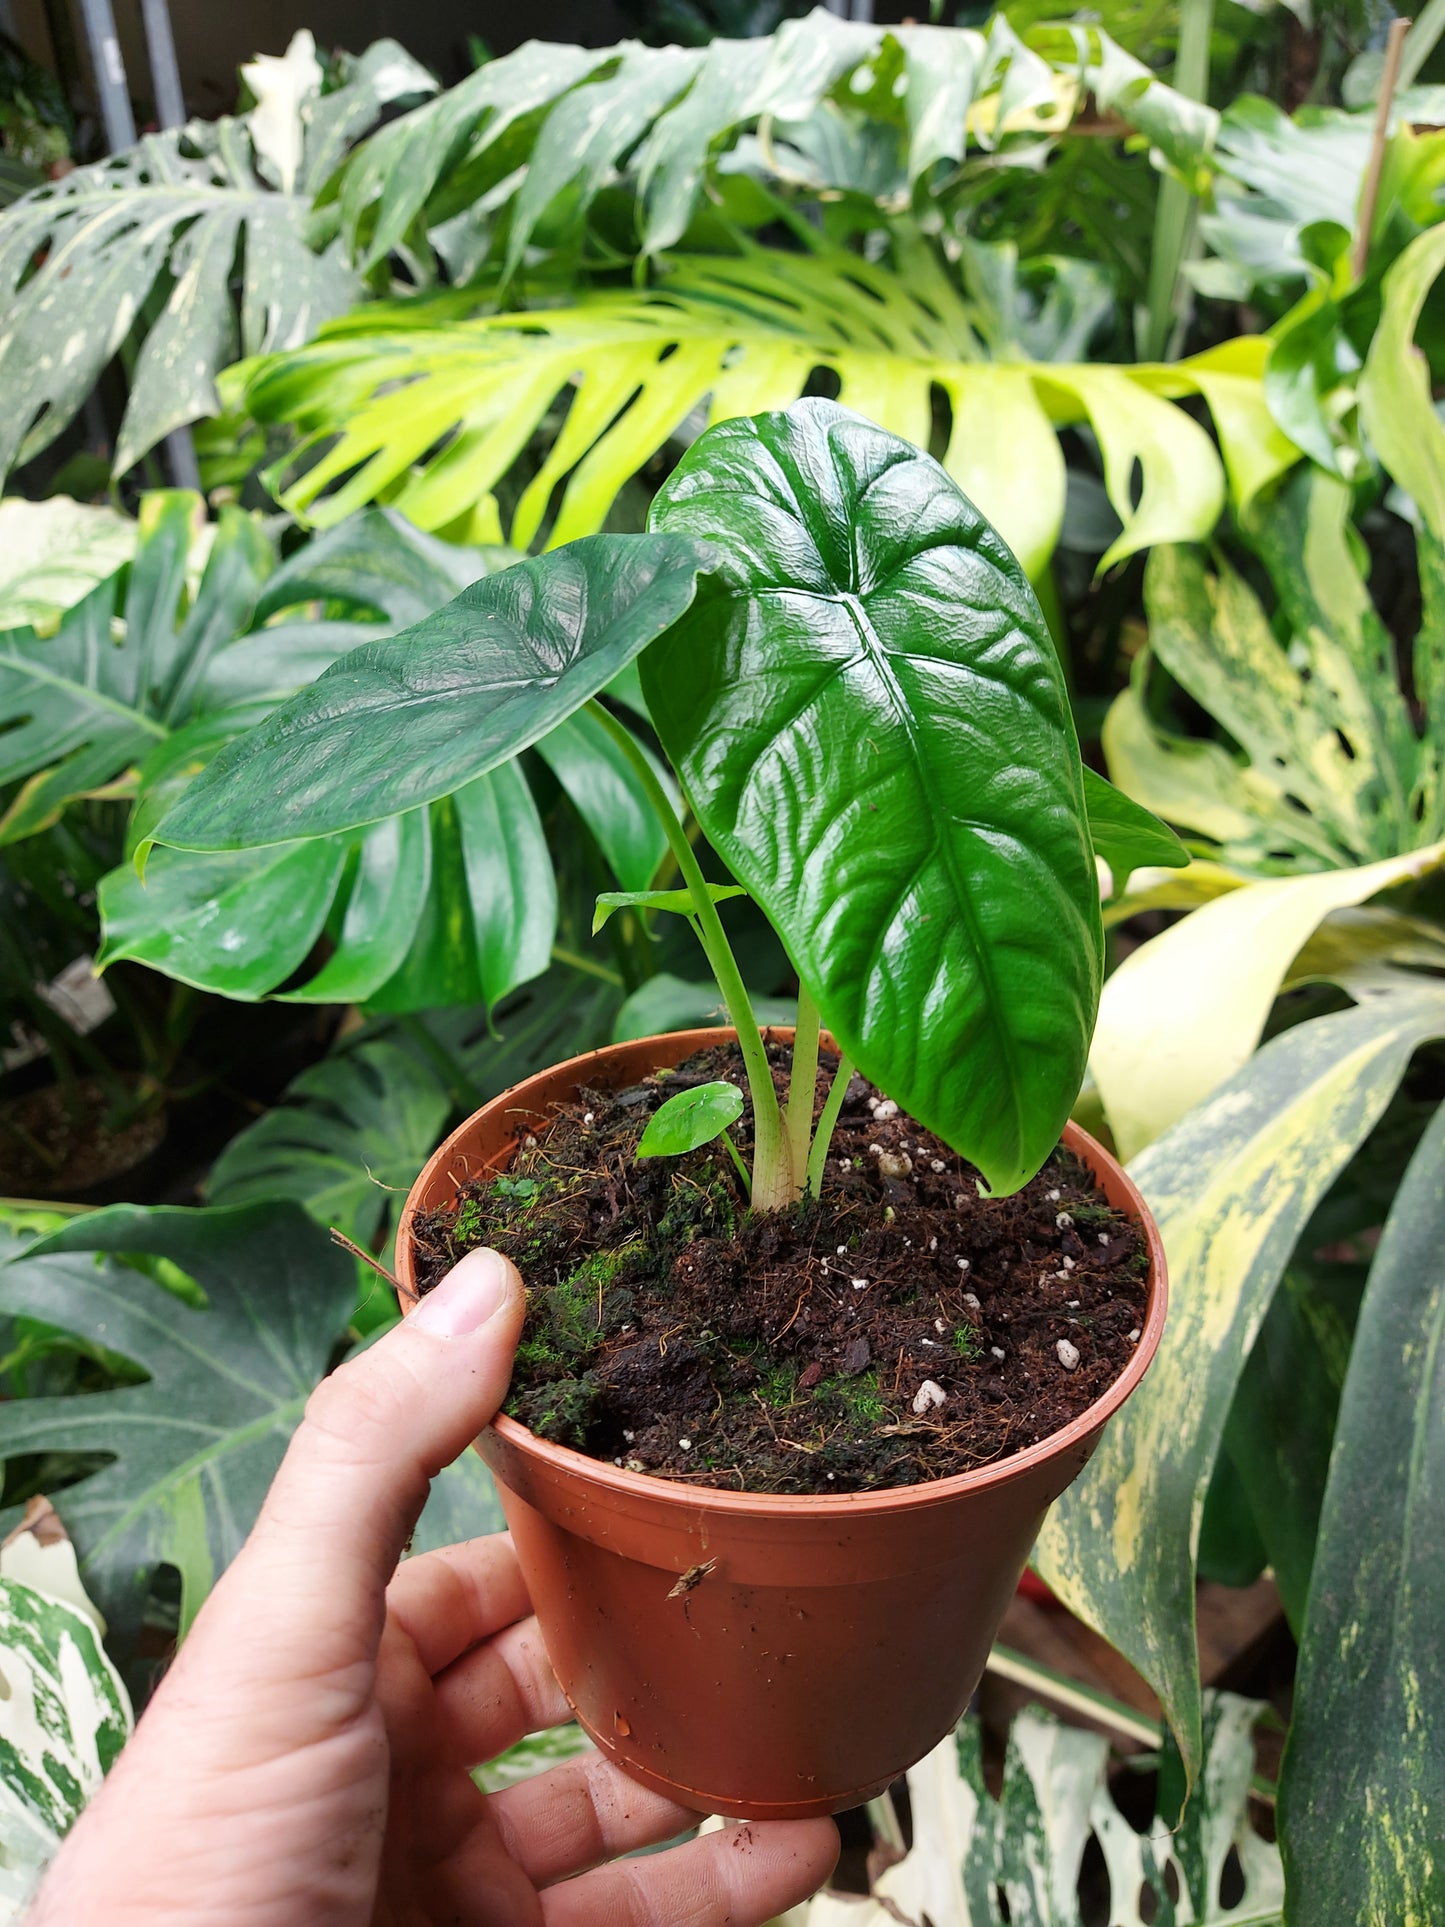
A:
x: 145, y: 245
x: 194, y: 1447
x: 79, y: 708
x: 979, y: 1861
x: 869, y: 720
x: 431, y: 411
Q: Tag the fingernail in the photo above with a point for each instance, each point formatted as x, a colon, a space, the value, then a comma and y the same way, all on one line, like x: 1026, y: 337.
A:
x: 471, y: 1293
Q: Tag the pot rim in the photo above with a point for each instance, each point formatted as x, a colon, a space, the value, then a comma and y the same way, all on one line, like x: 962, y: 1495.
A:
x: 843, y: 1505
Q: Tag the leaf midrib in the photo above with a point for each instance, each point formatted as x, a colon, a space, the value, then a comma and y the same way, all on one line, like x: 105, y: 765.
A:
x: 95, y: 698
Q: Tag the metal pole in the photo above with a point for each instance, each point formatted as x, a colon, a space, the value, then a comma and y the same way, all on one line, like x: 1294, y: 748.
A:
x: 165, y: 70
x: 109, y: 68
x: 171, y: 112
x: 119, y: 124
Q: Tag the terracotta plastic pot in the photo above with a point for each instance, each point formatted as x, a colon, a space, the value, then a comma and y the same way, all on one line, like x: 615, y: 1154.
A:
x: 830, y: 1642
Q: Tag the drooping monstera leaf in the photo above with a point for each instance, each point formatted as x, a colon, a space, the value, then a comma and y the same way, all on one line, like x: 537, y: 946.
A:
x: 194, y: 1447
x: 868, y: 717
x: 164, y: 230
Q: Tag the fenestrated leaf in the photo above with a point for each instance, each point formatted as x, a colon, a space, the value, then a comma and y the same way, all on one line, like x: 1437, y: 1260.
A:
x: 81, y: 256
x: 689, y: 1119
x: 678, y: 902
x: 1232, y: 1186
x: 604, y: 786
x: 377, y: 398
x: 347, y: 1140
x: 870, y: 722
x: 1126, y: 836
x: 666, y: 1003
x: 80, y: 705
x: 1364, y: 1737
x: 978, y: 1861
x: 411, y: 719
x: 194, y: 1447
x: 64, y: 1716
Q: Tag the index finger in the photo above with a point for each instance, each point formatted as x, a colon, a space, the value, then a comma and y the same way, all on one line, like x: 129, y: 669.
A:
x: 447, y: 1601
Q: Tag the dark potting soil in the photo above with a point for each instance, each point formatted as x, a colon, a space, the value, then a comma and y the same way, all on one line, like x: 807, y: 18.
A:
x: 901, y: 1328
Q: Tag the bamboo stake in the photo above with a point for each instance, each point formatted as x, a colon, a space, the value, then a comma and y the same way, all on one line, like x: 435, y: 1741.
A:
x: 1369, y: 197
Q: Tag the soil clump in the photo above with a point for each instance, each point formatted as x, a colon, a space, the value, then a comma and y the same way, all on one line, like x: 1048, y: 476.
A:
x: 899, y: 1329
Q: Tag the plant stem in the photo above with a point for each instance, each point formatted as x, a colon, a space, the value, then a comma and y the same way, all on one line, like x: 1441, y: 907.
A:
x: 737, y: 1158
x: 773, y: 1184
x: 803, y: 1080
x: 1176, y: 210
x: 837, y: 1091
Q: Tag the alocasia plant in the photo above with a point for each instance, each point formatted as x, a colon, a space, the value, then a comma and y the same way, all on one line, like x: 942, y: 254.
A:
x: 850, y: 675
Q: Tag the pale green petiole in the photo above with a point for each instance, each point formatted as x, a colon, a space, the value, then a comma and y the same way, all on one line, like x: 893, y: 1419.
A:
x: 785, y: 1168
x: 773, y: 1184
x: 832, y: 1105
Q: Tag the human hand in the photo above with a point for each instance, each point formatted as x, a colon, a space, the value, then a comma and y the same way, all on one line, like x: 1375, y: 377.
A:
x: 306, y: 1758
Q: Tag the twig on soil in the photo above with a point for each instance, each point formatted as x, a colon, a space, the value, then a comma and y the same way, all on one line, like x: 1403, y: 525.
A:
x: 340, y: 1238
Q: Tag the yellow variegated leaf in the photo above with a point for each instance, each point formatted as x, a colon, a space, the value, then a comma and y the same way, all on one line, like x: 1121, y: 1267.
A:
x: 1186, y: 889
x: 1190, y: 781
x: 1232, y: 1186
x: 432, y: 412
x: 1184, y: 1011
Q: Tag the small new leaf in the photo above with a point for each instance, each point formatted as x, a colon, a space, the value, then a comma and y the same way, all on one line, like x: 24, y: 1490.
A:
x: 678, y: 901
x: 690, y: 1119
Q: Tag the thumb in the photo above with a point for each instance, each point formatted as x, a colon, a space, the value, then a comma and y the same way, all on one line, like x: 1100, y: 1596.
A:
x: 375, y: 1434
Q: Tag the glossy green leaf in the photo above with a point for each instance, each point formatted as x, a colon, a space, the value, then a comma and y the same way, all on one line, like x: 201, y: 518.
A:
x: 689, y: 1119
x: 195, y: 1446
x: 1364, y: 1737
x: 604, y: 786
x: 1232, y: 1186
x: 678, y: 902
x: 409, y: 720
x: 1126, y: 836
x: 235, y: 923
x: 871, y: 675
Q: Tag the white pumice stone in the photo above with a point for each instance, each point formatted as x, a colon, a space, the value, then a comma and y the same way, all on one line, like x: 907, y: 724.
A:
x: 939, y: 1326
x: 894, y: 1164
x: 969, y: 1298
x: 1135, y: 1336
x: 963, y: 1264
x: 1054, y: 1196
x: 928, y: 1396
x: 1103, y: 1237
x: 1063, y: 1221
x: 998, y: 1351
x: 1068, y: 1355
x: 938, y: 1164
x: 685, y: 1445
x: 886, y: 1109
x: 860, y: 1284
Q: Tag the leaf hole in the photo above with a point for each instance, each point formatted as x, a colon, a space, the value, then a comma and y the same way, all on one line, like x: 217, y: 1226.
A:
x: 1231, y: 1881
